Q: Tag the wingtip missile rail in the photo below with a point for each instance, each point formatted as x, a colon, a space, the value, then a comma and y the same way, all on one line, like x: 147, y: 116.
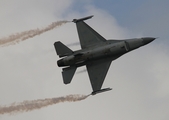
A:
x: 81, y: 19
x: 100, y: 91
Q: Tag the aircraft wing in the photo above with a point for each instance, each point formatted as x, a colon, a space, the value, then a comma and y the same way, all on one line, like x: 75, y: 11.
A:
x: 87, y: 35
x: 97, y: 71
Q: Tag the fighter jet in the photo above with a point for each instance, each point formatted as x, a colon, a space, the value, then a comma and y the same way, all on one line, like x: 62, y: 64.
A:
x: 97, y: 53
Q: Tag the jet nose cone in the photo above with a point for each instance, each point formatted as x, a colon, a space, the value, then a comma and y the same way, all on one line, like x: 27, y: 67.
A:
x: 147, y: 40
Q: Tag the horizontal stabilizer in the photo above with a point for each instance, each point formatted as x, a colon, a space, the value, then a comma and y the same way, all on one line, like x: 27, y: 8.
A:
x: 100, y: 91
x: 81, y: 19
x: 62, y: 50
x: 68, y: 74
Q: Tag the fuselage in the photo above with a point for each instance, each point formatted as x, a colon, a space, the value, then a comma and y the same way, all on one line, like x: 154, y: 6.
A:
x: 111, y: 48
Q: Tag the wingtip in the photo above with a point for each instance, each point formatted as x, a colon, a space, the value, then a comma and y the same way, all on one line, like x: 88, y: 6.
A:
x: 100, y: 91
x: 82, y: 19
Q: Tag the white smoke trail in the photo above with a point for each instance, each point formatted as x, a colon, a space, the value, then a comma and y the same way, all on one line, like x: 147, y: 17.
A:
x: 81, y: 71
x: 18, y: 37
x: 26, y: 106
x: 73, y: 44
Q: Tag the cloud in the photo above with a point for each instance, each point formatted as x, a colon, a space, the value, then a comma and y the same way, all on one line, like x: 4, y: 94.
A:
x: 150, y: 19
x: 137, y: 75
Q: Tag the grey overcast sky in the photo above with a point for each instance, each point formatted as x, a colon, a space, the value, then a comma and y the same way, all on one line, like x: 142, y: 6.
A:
x: 139, y: 79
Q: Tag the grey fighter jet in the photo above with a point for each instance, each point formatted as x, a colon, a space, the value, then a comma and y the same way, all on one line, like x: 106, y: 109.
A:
x: 97, y: 53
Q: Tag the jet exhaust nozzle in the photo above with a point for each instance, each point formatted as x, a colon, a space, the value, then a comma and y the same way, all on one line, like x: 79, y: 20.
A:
x: 100, y: 91
x: 60, y: 63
